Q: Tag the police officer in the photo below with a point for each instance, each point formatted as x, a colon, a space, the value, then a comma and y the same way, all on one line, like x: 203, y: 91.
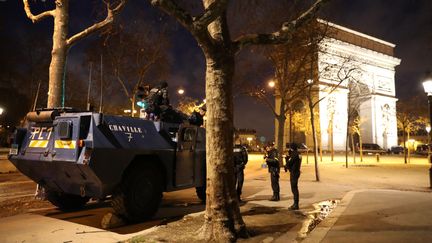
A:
x: 197, y: 117
x: 274, y: 169
x: 293, y: 164
x: 240, y: 161
x: 158, y: 100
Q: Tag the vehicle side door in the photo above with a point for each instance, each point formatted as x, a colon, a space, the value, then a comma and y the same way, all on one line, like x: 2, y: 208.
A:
x: 185, y: 156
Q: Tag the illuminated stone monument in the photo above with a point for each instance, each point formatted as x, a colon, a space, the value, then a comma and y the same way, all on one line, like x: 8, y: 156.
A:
x: 374, y: 94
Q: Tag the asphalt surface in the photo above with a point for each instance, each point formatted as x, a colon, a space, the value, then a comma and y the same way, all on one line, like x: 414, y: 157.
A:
x: 380, y: 202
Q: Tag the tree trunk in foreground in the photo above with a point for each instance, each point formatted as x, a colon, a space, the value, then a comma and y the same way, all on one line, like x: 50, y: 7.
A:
x: 58, y: 53
x: 223, y: 221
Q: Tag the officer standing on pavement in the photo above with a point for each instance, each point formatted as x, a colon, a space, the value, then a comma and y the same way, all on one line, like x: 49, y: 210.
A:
x: 240, y: 161
x: 274, y: 169
x: 293, y: 164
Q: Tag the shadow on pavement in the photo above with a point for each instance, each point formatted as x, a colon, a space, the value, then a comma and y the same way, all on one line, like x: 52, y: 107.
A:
x: 92, y: 214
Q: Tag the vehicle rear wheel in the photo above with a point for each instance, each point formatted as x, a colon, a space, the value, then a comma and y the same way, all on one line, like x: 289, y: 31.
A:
x: 201, y: 193
x: 139, y: 195
x: 65, y: 201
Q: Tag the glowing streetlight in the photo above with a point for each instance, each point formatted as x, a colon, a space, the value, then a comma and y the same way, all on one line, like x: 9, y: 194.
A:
x: 1, y: 110
x: 427, y: 85
x: 180, y: 91
x: 271, y: 83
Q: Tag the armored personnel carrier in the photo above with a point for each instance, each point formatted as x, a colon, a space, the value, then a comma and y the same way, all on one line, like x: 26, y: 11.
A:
x: 75, y: 156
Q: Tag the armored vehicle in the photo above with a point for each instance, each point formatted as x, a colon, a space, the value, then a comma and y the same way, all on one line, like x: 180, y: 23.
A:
x: 75, y: 156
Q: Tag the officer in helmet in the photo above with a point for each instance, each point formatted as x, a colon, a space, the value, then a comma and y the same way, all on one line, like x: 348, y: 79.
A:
x: 272, y: 161
x: 158, y: 99
x: 293, y: 164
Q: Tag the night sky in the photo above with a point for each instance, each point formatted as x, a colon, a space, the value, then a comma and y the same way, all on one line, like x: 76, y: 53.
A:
x: 406, y: 23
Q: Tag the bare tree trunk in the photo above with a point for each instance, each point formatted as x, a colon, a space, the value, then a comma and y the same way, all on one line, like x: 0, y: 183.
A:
x: 346, y: 147
x: 281, y: 130
x: 353, y: 148
x: 314, y: 135
x: 331, y: 140
x: 409, y: 149
x: 223, y: 220
x: 133, y: 105
x: 58, y: 53
x: 404, y: 146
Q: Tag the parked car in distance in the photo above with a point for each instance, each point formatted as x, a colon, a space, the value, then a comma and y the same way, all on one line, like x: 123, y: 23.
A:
x: 397, y: 149
x: 423, y: 149
x: 371, y: 148
x: 301, y: 147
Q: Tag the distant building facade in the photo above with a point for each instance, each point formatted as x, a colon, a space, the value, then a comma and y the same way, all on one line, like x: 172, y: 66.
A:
x: 375, y: 64
x: 246, y: 137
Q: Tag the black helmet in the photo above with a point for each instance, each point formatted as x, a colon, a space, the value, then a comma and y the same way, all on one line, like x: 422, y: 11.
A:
x: 163, y: 84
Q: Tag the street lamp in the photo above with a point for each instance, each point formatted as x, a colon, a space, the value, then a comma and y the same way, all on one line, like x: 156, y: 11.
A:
x: 427, y: 85
x: 180, y: 91
x: 1, y: 110
x: 271, y: 83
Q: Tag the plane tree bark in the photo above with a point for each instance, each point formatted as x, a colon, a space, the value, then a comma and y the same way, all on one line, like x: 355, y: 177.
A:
x: 223, y: 222
x: 62, y: 43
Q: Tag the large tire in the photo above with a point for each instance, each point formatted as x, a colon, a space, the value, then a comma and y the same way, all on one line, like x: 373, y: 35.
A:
x: 65, y: 201
x: 201, y: 193
x: 139, y: 195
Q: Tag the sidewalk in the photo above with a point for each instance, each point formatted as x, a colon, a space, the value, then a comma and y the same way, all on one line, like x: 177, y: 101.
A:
x: 378, y: 216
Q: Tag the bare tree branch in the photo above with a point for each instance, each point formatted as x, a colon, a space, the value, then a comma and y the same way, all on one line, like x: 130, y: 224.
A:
x: 281, y: 36
x: 211, y: 13
x: 172, y: 9
x: 38, y: 17
x: 122, y: 83
x: 111, y: 13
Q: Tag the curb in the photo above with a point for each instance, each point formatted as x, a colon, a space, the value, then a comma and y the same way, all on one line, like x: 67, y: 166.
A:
x: 321, y: 230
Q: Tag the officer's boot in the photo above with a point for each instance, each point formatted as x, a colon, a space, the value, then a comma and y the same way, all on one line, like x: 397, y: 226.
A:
x: 275, y: 197
x: 295, y: 206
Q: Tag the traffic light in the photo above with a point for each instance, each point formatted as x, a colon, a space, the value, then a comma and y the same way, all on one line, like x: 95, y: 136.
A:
x: 140, y: 97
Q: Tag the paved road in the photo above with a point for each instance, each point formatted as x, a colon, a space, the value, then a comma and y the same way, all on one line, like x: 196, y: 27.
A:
x: 85, y: 224
x: 51, y: 225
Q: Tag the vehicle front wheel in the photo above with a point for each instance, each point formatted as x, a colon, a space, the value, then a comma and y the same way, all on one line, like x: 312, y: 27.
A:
x: 139, y: 195
x: 65, y: 201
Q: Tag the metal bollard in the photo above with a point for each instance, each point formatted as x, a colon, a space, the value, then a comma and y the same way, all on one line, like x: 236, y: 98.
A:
x: 377, y: 157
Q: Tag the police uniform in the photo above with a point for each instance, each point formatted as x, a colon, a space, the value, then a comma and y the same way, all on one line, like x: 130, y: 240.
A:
x: 274, y: 169
x: 158, y: 99
x: 240, y: 161
x: 293, y: 165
